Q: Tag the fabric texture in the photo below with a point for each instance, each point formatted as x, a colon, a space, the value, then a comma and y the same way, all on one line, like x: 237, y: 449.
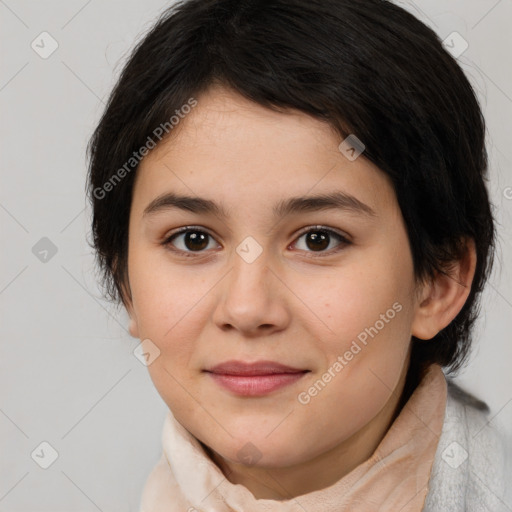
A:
x: 472, y: 470
x: 441, y: 453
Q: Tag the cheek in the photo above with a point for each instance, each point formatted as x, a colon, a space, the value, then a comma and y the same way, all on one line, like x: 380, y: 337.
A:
x: 367, y: 315
x: 361, y: 301
x: 170, y: 312
x: 164, y: 295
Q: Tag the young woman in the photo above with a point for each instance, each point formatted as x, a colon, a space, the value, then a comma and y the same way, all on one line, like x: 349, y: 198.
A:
x: 289, y: 199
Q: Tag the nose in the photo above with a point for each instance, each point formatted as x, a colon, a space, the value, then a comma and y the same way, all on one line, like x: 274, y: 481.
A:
x: 252, y: 298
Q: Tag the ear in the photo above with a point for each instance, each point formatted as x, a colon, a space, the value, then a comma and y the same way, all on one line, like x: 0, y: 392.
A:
x: 441, y: 299
x: 126, y: 297
x: 133, y: 326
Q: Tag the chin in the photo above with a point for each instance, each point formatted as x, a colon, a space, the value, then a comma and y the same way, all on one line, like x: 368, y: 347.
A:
x: 256, y: 451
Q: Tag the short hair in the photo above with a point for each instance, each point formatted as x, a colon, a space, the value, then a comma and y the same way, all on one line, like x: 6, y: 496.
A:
x: 368, y: 68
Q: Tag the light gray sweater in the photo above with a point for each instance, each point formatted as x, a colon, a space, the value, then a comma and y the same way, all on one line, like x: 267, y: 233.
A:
x: 472, y: 470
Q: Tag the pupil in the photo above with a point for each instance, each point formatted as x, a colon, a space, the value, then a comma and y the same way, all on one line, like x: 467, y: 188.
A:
x: 196, y: 240
x: 317, y: 240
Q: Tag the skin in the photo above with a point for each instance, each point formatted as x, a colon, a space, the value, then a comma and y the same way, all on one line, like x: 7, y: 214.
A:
x: 295, y: 305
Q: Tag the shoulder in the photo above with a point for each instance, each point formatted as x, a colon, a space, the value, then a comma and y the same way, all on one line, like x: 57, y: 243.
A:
x: 469, y: 472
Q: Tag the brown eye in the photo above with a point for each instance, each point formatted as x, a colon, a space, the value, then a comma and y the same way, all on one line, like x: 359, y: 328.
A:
x: 189, y: 240
x: 195, y: 240
x: 319, y: 240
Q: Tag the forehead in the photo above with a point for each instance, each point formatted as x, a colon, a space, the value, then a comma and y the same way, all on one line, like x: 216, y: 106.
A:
x: 225, y: 121
x: 233, y: 150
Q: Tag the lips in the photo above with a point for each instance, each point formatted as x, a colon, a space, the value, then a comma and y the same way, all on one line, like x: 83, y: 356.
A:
x: 256, y: 368
x: 254, y: 379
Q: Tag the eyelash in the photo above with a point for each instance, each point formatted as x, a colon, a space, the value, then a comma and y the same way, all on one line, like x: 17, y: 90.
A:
x: 312, y: 254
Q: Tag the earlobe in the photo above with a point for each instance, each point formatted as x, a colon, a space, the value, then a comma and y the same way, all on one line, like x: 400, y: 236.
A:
x: 126, y: 297
x: 442, y: 298
x: 133, y: 327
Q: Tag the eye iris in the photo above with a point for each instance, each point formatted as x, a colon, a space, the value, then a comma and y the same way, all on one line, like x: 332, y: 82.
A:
x: 317, y: 240
x: 195, y: 240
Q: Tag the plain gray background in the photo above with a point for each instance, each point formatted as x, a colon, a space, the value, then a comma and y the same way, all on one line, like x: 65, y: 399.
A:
x: 68, y: 374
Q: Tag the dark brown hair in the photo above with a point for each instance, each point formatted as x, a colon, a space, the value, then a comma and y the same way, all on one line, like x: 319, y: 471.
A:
x: 368, y: 68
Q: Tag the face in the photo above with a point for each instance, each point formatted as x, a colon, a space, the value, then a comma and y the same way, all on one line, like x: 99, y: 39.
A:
x: 271, y: 274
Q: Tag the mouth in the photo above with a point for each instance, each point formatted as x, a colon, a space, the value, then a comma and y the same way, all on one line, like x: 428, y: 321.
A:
x: 254, y: 379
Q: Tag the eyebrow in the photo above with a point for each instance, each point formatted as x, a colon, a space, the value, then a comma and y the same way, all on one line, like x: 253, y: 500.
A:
x: 335, y: 200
